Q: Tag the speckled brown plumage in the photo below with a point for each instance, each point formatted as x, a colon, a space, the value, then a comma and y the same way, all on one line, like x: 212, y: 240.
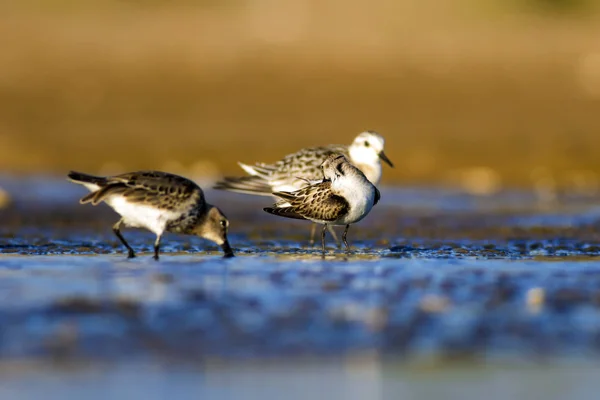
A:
x: 297, y: 168
x: 312, y: 202
x: 158, y: 189
x: 302, y: 168
x: 306, y: 162
x: 344, y: 196
x: 158, y: 201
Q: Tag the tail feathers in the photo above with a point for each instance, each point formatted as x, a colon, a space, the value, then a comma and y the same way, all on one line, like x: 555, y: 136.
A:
x: 247, y: 184
x: 96, y: 184
x: 88, y: 198
x: 287, y: 212
x: 80, y: 177
x: 260, y: 170
x: 248, y: 168
x: 98, y: 196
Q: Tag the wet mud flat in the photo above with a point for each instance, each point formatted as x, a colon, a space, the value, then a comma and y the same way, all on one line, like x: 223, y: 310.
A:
x: 433, y: 276
x: 102, y: 307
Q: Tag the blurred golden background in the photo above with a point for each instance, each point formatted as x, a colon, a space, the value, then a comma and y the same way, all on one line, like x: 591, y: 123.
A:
x: 497, y: 92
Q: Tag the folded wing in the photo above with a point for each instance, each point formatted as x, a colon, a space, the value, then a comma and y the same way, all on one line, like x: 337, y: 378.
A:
x: 315, y: 202
x: 153, y: 188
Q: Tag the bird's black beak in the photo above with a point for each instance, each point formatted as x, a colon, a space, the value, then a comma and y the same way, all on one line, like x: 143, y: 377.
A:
x: 384, y: 158
x: 227, y: 249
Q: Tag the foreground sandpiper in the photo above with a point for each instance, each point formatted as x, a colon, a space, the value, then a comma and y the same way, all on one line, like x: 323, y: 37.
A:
x: 302, y: 168
x: 158, y: 201
x: 343, y: 197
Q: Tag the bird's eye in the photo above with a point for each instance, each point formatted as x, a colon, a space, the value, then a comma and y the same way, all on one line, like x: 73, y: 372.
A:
x: 367, y: 144
x: 224, y: 223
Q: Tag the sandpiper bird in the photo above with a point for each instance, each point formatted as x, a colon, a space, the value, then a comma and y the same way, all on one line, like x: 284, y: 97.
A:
x: 343, y: 197
x: 158, y: 201
x: 302, y: 168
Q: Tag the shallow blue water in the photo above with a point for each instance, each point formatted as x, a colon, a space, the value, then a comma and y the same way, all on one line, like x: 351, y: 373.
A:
x: 362, y: 377
x: 462, y: 281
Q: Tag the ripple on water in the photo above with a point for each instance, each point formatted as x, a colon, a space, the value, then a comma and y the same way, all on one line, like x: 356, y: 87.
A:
x: 192, y: 306
x: 430, y: 273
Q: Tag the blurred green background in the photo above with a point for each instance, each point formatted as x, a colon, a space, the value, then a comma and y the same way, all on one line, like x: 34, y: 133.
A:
x: 479, y: 93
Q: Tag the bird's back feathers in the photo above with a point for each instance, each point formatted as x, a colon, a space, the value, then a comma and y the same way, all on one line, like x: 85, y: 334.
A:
x: 315, y: 202
x: 153, y: 188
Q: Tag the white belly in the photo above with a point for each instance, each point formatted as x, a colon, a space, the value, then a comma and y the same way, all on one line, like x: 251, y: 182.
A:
x: 141, y: 216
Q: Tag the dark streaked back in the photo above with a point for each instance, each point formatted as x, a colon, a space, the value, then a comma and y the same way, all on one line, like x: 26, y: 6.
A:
x: 153, y: 188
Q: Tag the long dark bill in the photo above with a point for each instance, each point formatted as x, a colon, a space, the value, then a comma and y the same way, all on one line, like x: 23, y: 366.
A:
x: 227, y: 250
x: 384, y: 158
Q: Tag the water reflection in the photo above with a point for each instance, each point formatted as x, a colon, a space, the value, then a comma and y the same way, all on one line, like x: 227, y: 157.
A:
x: 360, y: 377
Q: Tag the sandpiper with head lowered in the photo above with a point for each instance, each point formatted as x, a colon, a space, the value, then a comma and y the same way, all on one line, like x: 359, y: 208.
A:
x: 299, y: 169
x: 343, y: 197
x: 158, y: 201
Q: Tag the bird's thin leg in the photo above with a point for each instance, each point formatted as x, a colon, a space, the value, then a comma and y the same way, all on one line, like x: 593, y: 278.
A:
x: 117, y: 230
x: 156, y: 247
x: 313, y: 230
x: 323, y: 237
x: 335, y: 237
x: 344, y: 238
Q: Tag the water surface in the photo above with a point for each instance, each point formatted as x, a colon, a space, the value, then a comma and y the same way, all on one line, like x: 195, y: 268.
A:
x: 442, y: 292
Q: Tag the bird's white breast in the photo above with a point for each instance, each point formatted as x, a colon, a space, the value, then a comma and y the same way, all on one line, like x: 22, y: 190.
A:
x: 141, y: 216
x: 360, y: 195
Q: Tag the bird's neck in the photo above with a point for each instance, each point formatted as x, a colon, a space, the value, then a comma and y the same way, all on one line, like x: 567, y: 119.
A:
x: 372, y: 171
